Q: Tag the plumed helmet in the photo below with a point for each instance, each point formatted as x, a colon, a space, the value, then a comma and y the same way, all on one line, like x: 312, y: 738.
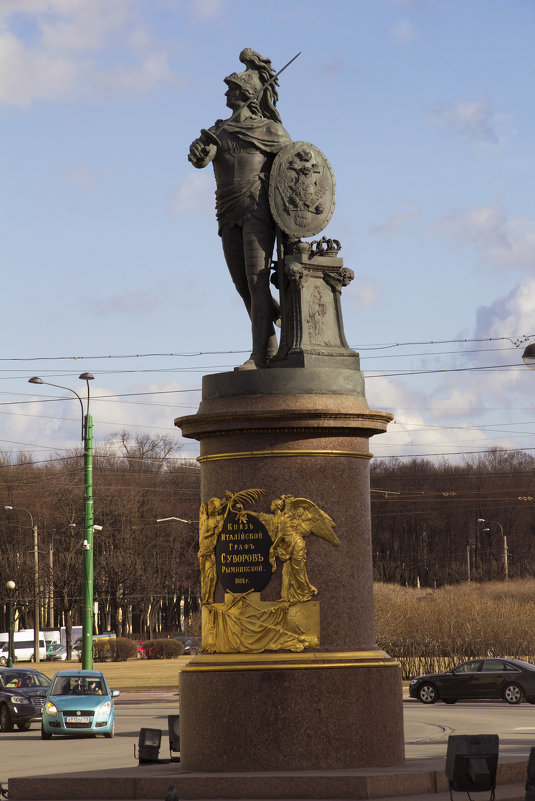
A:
x: 248, y: 81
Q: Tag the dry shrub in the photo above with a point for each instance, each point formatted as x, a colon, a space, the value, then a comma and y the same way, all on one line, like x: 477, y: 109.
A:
x: 102, y: 651
x: 123, y: 648
x: 163, y: 649
x: 116, y: 649
x: 432, y: 630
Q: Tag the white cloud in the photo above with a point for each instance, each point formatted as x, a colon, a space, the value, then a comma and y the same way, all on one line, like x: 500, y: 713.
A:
x: 82, y: 176
x: 127, y: 303
x: 195, y: 194
x: 473, y: 120
x: 502, y: 244
x: 58, y: 56
x: 27, y: 74
x: 399, y: 219
x: 511, y: 315
x: 364, y: 293
x: 206, y: 9
x: 403, y: 32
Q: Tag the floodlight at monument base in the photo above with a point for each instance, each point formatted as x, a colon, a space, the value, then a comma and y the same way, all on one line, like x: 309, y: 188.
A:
x: 471, y: 762
x: 530, y: 779
x: 148, y: 745
x: 173, y: 722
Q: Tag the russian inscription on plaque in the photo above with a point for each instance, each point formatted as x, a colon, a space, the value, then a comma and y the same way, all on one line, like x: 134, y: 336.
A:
x: 242, y: 554
x: 241, y: 550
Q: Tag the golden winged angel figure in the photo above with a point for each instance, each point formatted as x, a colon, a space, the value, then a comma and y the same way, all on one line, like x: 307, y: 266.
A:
x: 291, y: 521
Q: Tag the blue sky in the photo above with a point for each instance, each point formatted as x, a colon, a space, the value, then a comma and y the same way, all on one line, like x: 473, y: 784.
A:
x: 109, y: 246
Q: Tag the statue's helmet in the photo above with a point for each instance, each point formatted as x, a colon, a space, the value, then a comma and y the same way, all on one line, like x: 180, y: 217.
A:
x: 249, y: 82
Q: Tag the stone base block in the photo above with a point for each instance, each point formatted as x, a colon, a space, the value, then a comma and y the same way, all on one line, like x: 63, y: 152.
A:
x: 285, y: 712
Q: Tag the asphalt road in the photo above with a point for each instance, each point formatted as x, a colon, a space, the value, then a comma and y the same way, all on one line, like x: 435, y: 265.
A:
x: 23, y: 753
x: 427, y: 729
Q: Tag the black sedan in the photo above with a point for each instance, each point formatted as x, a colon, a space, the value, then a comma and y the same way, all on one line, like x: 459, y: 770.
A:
x: 20, y: 702
x: 508, y: 679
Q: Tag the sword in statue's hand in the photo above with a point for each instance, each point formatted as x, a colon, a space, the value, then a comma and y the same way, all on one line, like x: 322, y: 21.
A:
x: 211, y: 138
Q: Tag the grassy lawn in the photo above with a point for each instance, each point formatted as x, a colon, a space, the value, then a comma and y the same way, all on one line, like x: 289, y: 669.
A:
x: 133, y: 675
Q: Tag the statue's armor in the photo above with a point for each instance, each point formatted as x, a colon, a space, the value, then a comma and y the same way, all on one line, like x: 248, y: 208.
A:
x: 242, y: 177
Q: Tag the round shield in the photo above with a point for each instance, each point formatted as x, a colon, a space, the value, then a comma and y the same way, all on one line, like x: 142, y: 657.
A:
x: 302, y: 190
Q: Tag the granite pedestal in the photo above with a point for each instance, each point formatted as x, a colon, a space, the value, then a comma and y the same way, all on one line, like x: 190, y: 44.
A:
x: 304, y: 432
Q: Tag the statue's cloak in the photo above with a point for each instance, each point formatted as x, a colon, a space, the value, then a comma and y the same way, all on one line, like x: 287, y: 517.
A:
x: 237, y: 201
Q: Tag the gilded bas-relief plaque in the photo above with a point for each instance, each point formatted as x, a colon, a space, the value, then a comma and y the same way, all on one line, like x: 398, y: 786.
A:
x: 242, y: 549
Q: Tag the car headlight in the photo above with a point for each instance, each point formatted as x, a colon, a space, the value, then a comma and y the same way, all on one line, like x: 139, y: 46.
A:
x: 19, y: 699
x: 413, y: 681
x: 104, y: 710
x: 51, y: 708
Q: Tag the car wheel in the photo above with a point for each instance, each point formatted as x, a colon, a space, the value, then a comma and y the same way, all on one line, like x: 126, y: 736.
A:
x: 25, y: 725
x: 6, y: 724
x: 513, y: 694
x: 427, y: 693
x: 450, y: 700
x: 45, y: 735
x: 109, y: 734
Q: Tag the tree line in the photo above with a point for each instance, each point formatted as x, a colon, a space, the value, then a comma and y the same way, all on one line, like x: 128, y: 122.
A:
x: 437, y: 523
x: 145, y: 573
x: 433, y: 523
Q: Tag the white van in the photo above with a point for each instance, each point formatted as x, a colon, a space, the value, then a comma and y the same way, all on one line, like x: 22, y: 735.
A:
x: 23, y: 647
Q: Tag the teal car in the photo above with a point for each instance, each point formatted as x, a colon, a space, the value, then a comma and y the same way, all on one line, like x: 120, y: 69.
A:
x: 78, y: 702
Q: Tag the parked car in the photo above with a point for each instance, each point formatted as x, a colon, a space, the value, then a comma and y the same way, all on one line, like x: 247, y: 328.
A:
x: 23, y: 647
x: 20, y: 702
x: 78, y: 702
x: 57, y: 652
x: 192, y: 645
x: 509, y: 679
x: 141, y: 653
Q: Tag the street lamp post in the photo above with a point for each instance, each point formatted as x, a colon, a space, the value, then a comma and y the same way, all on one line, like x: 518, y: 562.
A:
x: 36, y: 615
x: 10, y: 587
x: 87, y: 439
x: 504, y: 538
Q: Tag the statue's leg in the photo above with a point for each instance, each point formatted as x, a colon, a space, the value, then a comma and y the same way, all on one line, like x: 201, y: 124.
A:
x: 258, y: 242
x: 232, y: 240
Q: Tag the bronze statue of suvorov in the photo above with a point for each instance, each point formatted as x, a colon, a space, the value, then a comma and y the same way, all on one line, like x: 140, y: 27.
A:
x: 242, y: 150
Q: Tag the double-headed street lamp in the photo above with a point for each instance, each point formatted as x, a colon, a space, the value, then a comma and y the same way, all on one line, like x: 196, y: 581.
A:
x: 528, y: 356
x: 10, y: 587
x: 36, y: 621
x: 87, y: 439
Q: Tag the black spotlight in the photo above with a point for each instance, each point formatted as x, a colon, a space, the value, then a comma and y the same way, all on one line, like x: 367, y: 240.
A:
x: 530, y: 780
x: 149, y: 745
x: 173, y: 722
x: 471, y: 762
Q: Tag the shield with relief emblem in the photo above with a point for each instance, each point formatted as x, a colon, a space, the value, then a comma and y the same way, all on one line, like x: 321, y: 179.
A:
x: 302, y: 190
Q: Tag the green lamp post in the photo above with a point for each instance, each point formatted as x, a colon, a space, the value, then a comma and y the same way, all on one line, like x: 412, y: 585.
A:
x: 10, y: 587
x: 87, y: 439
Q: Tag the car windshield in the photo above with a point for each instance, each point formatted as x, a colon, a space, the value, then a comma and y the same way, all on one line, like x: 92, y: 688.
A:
x: 22, y: 678
x: 78, y: 685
